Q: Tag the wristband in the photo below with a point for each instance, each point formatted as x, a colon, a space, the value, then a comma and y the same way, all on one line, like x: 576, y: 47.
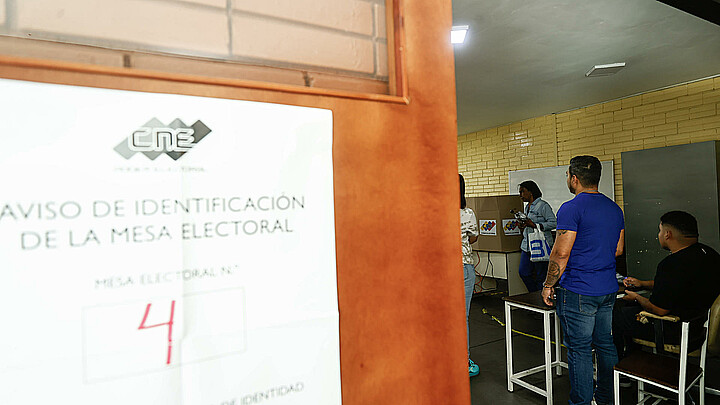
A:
x: 547, y: 286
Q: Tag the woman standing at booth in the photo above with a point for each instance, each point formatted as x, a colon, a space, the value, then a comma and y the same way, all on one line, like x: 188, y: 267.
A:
x: 539, y: 215
x: 468, y: 235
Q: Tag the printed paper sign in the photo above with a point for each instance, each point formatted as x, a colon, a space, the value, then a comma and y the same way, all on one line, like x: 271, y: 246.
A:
x: 510, y: 227
x: 165, y: 249
x: 487, y: 226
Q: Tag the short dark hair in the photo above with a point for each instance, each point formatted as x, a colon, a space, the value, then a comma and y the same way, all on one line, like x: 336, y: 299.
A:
x: 587, y: 169
x: 463, y: 201
x: 533, y: 188
x: 685, y: 223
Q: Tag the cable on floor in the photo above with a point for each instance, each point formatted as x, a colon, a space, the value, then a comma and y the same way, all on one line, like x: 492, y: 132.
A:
x: 484, y: 311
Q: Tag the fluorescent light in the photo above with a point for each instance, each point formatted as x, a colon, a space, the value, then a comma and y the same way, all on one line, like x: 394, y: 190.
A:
x: 457, y: 35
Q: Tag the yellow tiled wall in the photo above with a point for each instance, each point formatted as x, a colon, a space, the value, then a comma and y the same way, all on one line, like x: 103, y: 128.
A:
x: 682, y: 114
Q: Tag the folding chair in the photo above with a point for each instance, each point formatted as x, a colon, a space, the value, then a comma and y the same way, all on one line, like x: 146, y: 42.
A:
x: 713, y: 344
x: 661, y: 369
x: 713, y: 341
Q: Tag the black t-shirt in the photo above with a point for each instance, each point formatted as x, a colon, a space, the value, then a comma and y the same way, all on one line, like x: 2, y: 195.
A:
x: 688, y: 281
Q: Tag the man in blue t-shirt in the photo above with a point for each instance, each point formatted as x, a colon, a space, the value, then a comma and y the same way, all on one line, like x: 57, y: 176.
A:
x: 590, y: 234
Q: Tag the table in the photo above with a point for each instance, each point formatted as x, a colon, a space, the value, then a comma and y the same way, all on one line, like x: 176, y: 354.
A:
x: 499, y: 265
x: 533, y: 302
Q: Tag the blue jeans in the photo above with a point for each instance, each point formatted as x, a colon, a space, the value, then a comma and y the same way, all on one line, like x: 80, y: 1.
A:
x: 469, y: 272
x: 532, y: 273
x: 587, y: 324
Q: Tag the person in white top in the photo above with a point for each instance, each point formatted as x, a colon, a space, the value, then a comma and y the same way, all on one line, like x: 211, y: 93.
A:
x: 468, y: 235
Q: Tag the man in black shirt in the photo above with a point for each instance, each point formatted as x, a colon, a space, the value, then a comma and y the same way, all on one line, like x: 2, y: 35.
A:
x: 686, y: 282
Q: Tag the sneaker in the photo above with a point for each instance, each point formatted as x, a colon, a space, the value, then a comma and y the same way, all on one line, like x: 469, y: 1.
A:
x: 473, y: 369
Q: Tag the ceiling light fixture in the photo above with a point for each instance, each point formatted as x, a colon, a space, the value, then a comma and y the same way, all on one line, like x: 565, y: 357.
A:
x: 458, y: 33
x: 605, y: 70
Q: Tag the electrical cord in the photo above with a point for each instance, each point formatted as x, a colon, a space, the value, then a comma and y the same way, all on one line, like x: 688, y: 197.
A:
x: 489, y: 266
x: 492, y: 273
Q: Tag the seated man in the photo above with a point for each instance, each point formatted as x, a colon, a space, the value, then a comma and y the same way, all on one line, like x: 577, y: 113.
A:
x: 686, y: 282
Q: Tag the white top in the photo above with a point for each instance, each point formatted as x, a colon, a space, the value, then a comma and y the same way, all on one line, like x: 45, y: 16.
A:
x: 468, y: 228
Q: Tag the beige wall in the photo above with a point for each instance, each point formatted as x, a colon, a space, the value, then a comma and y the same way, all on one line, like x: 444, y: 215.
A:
x: 682, y: 114
x: 345, y: 36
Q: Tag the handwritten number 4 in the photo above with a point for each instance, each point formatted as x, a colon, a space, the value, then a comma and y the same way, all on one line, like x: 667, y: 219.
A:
x: 169, y: 324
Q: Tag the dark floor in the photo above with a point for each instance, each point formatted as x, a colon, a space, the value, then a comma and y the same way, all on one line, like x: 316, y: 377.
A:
x: 487, y: 349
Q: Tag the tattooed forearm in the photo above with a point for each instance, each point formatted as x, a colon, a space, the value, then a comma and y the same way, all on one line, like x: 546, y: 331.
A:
x: 553, y: 273
x: 560, y: 255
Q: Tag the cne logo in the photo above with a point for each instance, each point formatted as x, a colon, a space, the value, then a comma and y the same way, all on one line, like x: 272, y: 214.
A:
x: 511, y: 225
x: 488, y: 226
x: 155, y: 138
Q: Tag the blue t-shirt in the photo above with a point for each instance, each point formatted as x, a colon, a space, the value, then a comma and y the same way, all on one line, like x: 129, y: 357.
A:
x: 598, y: 221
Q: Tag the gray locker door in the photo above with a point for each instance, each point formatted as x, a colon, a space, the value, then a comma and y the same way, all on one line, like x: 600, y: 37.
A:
x: 659, y: 180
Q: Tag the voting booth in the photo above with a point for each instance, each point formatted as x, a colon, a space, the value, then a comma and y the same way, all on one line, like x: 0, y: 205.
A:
x: 496, y: 253
x: 498, y: 227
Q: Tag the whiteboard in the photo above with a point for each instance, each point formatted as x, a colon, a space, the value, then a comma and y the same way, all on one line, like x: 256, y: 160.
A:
x: 553, y: 183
